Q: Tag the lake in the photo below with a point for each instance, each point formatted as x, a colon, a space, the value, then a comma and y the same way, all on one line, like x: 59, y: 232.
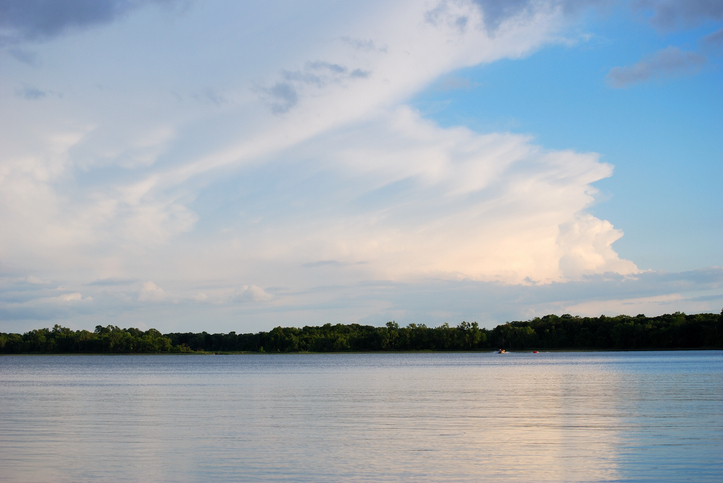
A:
x: 592, y: 416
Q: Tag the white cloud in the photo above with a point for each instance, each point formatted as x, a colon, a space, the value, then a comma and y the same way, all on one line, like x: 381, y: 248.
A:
x: 150, y: 292
x: 62, y: 187
x: 252, y: 293
x: 303, y: 151
x: 410, y: 199
x: 35, y: 280
x: 73, y: 297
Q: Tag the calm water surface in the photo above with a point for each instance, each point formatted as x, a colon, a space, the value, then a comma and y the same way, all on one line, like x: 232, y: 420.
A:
x: 632, y: 416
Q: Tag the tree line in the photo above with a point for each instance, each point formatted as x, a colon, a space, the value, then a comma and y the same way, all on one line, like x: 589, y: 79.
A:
x: 670, y: 331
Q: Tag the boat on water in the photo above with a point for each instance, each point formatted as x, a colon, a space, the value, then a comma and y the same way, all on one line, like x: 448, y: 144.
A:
x: 501, y: 351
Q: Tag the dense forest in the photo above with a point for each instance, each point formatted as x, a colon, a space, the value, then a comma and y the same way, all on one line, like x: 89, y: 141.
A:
x: 670, y: 331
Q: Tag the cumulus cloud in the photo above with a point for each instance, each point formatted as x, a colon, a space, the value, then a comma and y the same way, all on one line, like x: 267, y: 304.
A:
x: 346, y: 194
x: 64, y: 299
x: 456, y: 204
x: 252, y: 293
x: 150, y: 292
x: 73, y: 297
x: 670, y: 62
x: 424, y: 200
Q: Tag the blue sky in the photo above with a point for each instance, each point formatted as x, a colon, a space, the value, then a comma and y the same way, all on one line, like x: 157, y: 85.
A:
x: 227, y: 165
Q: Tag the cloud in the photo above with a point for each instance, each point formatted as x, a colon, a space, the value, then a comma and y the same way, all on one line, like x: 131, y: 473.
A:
x: 633, y: 306
x: 150, y: 292
x: 359, y: 74
x: 24, y: 56
x: 670, y: 62
x: 453, y: 82
x: 252, y: 293
x: 36, y: 20
x: 671, y: 14
x: 284, y: 97
x: 366, y: 45
x: 36, y: 281
x: 347, y: 174
x: 449, y: 202
x: 714, y: 40
x: 323, y: 263
x: 111, y: 282
x: 495, y: 13
x: 311, y: 80
x: 334, y: 68
x: 430, y: 301
x: 210, y: 96
x: 350, y: 204
x: 30, y: 93
x: 72, y: 297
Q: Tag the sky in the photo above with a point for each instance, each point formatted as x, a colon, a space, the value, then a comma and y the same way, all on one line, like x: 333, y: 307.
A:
x: 226, y: 166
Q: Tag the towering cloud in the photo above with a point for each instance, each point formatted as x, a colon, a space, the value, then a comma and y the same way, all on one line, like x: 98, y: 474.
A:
x: 243, y: 155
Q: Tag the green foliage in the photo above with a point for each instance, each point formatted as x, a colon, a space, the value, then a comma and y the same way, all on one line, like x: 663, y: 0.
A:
x: 61, y: 340
x: 670, y: 331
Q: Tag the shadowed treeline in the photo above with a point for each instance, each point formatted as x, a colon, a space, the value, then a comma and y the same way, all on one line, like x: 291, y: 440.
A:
x: 670, y: 331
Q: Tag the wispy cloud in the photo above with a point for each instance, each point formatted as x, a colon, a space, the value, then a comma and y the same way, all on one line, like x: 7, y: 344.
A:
x: 302, y: 166
x: 30, y: 92
x: 284, y: 97
x: 670, y: 62
x: 714, y: 40
x: 24, y: 56
x: 312, y: 79
x: 378, y: 183
x: 453, y: 82
x: 670, y: 14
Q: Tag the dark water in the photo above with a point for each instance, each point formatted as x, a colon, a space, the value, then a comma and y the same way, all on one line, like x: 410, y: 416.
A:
x: 634, y: 416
